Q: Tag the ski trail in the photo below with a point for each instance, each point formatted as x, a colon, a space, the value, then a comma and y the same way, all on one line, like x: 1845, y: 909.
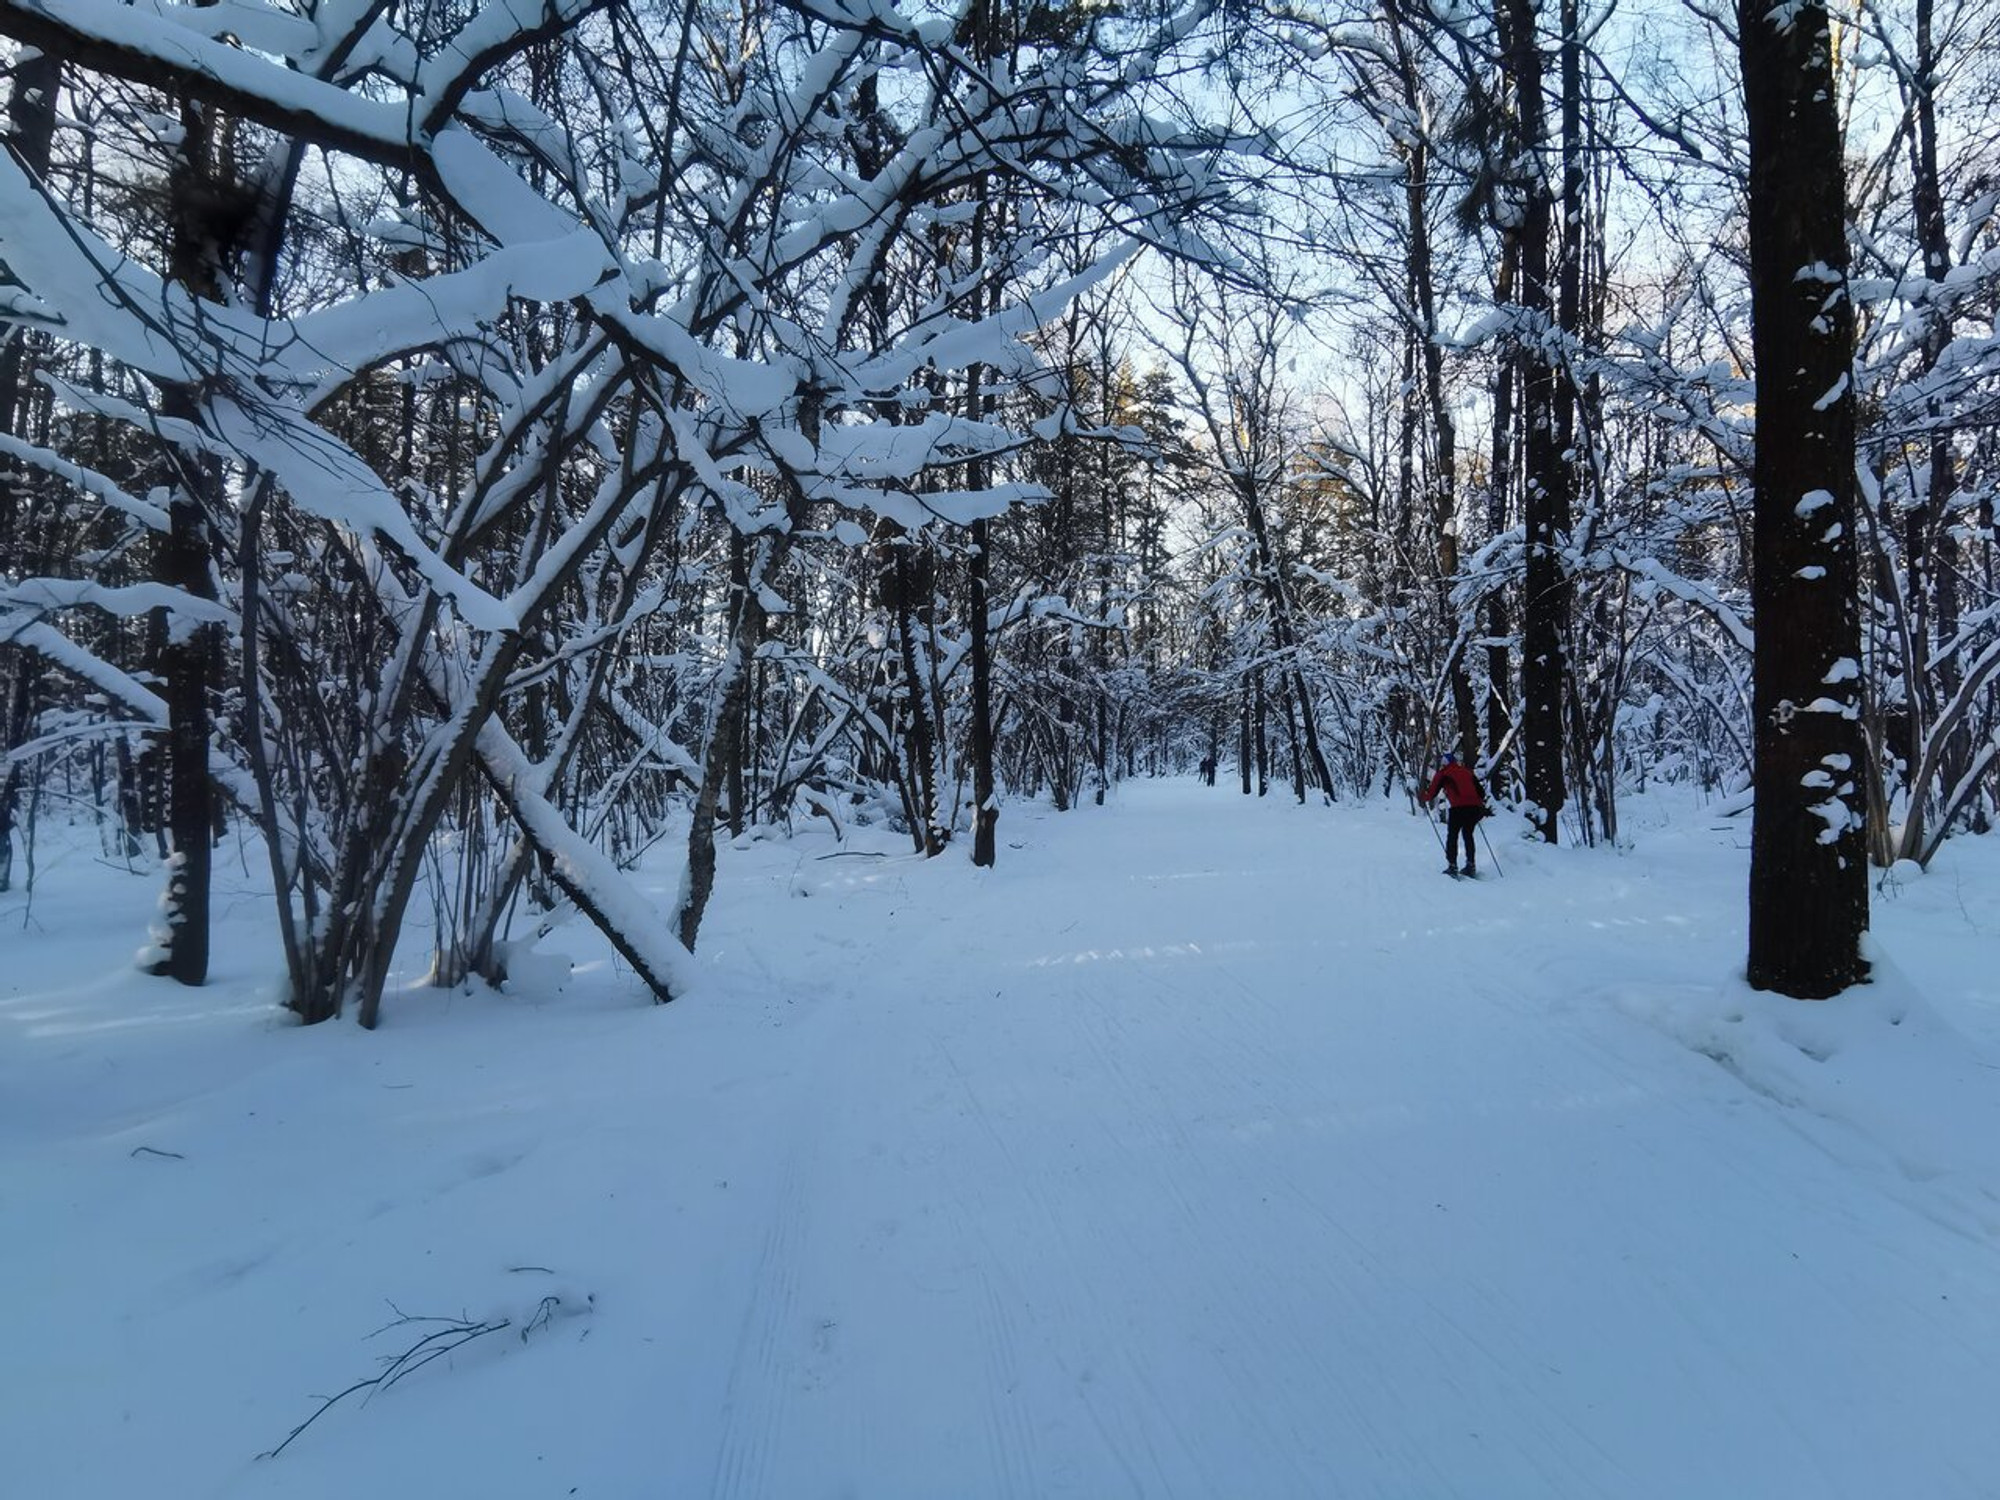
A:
x: 1232, y: 1156
x: 998, y: 1201
x: 1013, y: 1454
x: 764, y: 1371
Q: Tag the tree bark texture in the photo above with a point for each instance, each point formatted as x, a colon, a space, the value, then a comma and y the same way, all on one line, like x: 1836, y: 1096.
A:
x: 1808, y: 874
x: 202, y: 232
x: 1545, y: 466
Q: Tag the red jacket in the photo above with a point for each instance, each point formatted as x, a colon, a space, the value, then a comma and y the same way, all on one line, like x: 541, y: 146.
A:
x: 1460, y: 787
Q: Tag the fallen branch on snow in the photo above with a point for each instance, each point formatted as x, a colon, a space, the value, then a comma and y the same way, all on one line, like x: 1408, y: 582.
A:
x: 453, y: 1334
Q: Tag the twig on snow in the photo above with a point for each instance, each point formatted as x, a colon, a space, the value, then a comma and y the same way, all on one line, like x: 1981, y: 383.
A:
x: 455, y: 1335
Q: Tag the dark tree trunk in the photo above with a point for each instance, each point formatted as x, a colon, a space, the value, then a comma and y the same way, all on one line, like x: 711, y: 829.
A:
x: 19, y: 710
x: 1263, y: 739
x: 1292, y: 739
x: 1444, y: 433
x: 1100, y: 754
x: 1546, y: 475
x: 909, y: 586
x: 745, y: 636
x: 985, y: 795
x: 192, y: 664
x: 1932, y: 590
x: 31, y: 121
x: 736, y: 748
x: 1316, y: 759
x: 1808, y: 874
x: 1499, y: 710
x: 1243, y: 752
x: 986, y: 810
x: 766, y: 557
x: 199, y: 191
x: 131, y: 801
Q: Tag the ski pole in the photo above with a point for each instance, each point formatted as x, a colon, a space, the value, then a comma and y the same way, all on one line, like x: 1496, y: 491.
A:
x: 1436, y: 835
x: 1489, y: 848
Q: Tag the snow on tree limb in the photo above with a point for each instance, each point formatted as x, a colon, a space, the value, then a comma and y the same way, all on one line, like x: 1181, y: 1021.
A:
x: 585, y: 872
x: 89, y: 481
x: 149, y: 46
x: 134, y: 599
x: 37, y: 636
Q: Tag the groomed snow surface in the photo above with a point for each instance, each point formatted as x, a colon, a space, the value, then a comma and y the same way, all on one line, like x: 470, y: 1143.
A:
x: 1204, y: 1148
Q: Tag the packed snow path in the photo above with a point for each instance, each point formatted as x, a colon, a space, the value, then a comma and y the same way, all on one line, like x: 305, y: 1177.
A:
x: 1203, y: 1148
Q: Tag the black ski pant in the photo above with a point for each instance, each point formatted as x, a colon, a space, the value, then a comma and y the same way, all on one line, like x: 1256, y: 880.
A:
x: 1459, y: 823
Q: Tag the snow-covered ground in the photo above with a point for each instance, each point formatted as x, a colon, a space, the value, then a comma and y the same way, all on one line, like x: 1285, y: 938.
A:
x: 1204, y: 1148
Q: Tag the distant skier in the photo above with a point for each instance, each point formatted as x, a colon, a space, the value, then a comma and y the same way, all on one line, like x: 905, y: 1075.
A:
x: 1208, y: 769
x: 1468, y: 805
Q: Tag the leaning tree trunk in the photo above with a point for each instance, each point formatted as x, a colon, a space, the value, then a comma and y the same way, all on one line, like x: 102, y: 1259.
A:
x: 1808, y: 871
x: 745, y: 636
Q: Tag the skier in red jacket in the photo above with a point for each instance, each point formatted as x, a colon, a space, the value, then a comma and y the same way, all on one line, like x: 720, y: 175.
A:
x: 1468, y: 806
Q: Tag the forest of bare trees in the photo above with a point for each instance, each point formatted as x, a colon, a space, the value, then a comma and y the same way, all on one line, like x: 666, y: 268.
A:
x: 475, y: 446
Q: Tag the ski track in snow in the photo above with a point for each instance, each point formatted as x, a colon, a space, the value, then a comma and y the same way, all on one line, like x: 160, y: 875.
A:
x: 1202, y: 1148
x: 763, y: 1373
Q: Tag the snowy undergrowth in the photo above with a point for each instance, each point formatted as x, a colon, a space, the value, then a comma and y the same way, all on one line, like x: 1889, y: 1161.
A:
x: 1201, y: 1148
